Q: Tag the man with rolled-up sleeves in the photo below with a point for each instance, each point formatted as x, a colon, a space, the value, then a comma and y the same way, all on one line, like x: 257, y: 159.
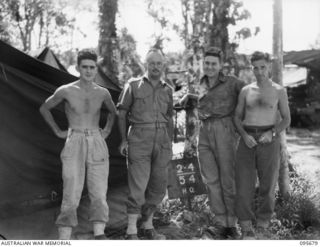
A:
x: 216, y: 99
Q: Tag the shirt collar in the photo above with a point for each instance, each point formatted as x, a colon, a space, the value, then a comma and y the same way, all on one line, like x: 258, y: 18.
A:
x: 221, y: 77
x: 162, y: 82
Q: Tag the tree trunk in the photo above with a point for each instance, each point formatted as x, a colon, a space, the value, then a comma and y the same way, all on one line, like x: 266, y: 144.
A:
x: 219, y: 35
x: 108, y: 44
x: 277, y: 42
x: 207, y: 23
x: 185, y: 11
x: 41, y: 26
x: 4, y: 35
x: 192, y: 126
x: 284, y: 181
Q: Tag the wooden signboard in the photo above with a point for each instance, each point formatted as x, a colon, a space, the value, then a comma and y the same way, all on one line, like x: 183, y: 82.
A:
x: 185, y: 179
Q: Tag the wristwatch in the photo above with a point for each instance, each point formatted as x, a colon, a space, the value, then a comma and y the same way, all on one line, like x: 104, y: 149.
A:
x: 274, y: 133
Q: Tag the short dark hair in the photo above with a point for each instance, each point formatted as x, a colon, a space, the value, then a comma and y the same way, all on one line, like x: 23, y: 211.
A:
x: 213, y: 51
x: 87, y: 54
x: 258, y: 55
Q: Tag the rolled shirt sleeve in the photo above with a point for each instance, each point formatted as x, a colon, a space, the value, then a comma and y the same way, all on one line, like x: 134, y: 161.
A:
x: 125, y: 99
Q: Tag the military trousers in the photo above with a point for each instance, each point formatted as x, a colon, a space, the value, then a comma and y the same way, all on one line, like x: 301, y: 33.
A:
x: 216, y: 154
x: 262, y: 160
x: 149, y: 153
x: 84, y: 156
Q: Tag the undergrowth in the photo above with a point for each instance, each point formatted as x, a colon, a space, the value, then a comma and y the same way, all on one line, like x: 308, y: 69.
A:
x: 296, y: 217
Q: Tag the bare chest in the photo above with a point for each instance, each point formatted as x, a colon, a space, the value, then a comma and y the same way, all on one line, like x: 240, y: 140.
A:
x: 262, y: 99
x: 84, y: 103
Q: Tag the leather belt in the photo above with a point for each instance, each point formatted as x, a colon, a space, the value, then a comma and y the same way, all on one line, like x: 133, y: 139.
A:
x: 156, y: 125
x: 257, y: 129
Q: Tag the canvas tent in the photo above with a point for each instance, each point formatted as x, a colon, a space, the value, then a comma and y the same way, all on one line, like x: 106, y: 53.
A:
x: 30, y: 167
x: 47, y: 56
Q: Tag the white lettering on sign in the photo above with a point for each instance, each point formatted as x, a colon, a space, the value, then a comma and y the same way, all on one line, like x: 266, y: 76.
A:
x: 187, y: 178
x: 182, y: 180
x: 180, y: 169
x: 192, y: 179
x: 191, y: 167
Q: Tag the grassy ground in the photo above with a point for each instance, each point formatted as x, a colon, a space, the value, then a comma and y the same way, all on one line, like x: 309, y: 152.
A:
x: 304, y: 149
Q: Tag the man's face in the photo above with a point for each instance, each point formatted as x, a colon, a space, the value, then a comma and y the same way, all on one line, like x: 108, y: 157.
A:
x: 155, y: 65
x: 211, y: 66
x: 87, y: 69
x: 261, y: 70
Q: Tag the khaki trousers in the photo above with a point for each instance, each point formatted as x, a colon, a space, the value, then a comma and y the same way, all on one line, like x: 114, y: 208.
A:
x: 149, y: 153
x: 85, y: 155
x: 216, y: 153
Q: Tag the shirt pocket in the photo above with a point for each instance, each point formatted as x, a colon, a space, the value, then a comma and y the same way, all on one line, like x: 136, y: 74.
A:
x: 142, y: 102
x: 163, y: 102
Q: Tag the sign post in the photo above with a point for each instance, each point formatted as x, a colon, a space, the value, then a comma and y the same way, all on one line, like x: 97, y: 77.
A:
x: 185, y: 180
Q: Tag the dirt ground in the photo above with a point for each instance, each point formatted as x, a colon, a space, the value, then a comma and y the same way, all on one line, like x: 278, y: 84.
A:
x: 304, y: 149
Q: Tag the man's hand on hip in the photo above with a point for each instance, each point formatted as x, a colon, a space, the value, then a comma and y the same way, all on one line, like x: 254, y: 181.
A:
x: 62, y: 134
x: 105, y: 133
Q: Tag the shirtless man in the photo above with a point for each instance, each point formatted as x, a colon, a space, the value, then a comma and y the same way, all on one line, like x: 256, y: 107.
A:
x: 258, y: 150
x: 85, y: 153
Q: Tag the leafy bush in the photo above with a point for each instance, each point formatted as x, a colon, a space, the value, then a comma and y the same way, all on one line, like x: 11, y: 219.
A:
x: 297, y: 216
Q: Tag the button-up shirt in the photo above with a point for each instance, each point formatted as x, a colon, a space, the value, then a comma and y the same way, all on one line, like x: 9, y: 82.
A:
x: 146, y: 103
x: 220, y: 100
